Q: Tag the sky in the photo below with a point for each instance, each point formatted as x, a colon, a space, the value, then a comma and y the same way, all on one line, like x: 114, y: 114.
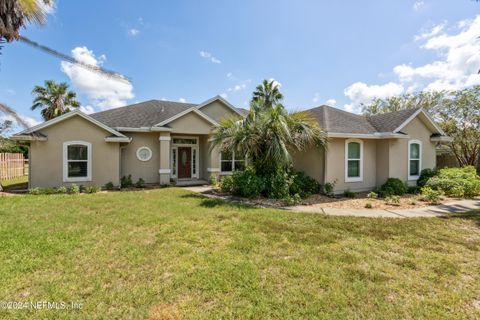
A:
x: 340, y: 53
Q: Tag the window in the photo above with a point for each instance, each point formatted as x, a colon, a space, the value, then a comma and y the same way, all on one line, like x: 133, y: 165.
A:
x: 144, y: 153
x: 353, y: 160
x: 414, y: 159
x: 184, y: 141
x: 77, y: 161
x: 229, y: 162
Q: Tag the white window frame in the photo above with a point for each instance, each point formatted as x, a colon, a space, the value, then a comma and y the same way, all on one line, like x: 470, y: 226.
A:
x: 174, y: 146
x: 233, y: 163
x: 353, y: 179
x: 140, y: 149
x: 410, y: 142
x: 66, y: 178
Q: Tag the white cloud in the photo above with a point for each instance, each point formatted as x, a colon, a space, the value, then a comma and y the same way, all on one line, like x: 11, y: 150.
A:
x: 239, y: 86
x: 275, y: 83
x: 331, y: 102
x: 430, y: 33
x: 103, y: 92
x: 182, y: 100
x: 316, y: 97
x: 456, y: 66
x: 418, y: 5
x: 47, y: 8
x: 10, y: 91
x: 360, y: 92
x: 229, y: 75
x: 224, y: 95
x: 133, y: 32
x: 28, y: 120
x: 87, y: 109
x: 209, y: 56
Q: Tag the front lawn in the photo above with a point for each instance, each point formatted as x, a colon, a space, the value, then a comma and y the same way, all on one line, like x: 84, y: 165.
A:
x: 171, y: 254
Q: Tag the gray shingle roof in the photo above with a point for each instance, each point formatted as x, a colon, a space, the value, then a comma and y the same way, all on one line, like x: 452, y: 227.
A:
x: 143, y: 114
x: 338, y: 121
x: 387, y: 122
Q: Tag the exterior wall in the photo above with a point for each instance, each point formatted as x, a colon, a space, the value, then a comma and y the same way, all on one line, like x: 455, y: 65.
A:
x: 191, y: 123
x: 399, y: 150
x: 312, y: 162
x: 335, y: 166
x: 217, y: 111
x: 383, y: 160
x: 147, y: 170
x: 46, y: 162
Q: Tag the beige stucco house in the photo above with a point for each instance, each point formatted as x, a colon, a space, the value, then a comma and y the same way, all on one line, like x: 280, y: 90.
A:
x: 164, y: 142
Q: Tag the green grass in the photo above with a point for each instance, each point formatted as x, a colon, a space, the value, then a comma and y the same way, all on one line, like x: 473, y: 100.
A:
x: 20, y: 182
x: 170, y: 254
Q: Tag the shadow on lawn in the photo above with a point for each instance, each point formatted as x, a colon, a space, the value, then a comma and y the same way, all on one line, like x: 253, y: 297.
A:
x: 473, y: 215
x: 213, y: 203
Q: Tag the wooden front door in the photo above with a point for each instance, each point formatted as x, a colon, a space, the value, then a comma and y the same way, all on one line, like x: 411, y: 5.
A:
x: 184, y: 162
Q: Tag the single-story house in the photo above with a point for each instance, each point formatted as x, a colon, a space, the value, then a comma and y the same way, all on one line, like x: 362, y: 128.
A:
x: 164, y: 142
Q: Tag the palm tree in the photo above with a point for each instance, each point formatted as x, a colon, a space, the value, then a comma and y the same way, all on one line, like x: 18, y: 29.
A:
x: 268, y: 135
x: 267, y: 94
x: 54, y: 99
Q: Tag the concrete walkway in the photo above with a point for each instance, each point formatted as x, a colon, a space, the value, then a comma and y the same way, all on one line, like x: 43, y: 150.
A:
x: 431, y: 211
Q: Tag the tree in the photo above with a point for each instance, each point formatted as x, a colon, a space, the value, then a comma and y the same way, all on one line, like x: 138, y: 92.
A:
x: 457, y: 112
x: 269, y: 134
x: 267, y: 94
x: 54, y: 99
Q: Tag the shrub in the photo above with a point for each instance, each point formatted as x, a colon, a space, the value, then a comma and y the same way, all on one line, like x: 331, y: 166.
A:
x: 247, y: 184
x: 393, y: 186
x: 126, y: 181
x: 226, y: 184
x: 457, y: 182
x: 292, y: 200
x: 140, y: 183
x: 413, y: 190
x: 277, y: 186
x: 431, y: 195
x: 304, y: 185
x: 73, y: 189
x: 349, y: 194
x: 109, y: 186
x: 426, y: 174
x: 372, y: 195
x: 34, y: 191
x: 393, y: 200
x: 62, y: 190
x: 212, y: 180
x: 92, y: 189
x: 329, y: 187
x: 368, y: 205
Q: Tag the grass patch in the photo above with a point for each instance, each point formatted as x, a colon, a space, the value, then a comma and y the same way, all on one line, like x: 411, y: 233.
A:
x: 16, y: 183
x: 170, y: 254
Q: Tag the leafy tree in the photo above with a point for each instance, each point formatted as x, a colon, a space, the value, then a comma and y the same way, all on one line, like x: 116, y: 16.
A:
x: 269, y: 134
x: 458, y: 113
x: 54, y: 99
x: 267, y: 94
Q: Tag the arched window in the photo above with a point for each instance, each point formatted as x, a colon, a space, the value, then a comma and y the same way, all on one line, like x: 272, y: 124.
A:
x: 414, y: 159
x: 353, y: 160
x: 77, y: 161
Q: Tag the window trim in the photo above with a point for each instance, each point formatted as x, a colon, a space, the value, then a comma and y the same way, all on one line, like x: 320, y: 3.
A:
x: 66, y: 178
x: 410, y: 142
x: 138, y: 153
x: 233, y: 163
x: 353, y: 179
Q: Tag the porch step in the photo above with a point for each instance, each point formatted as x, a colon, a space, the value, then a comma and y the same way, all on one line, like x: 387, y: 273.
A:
x: 188, y: 183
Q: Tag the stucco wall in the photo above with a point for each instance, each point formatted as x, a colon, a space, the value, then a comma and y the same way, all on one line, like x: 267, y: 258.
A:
x: 399, y: 150
x: 382, y: 160
x: 191, y: 123
x: 312, y: 162
x: 147, y: 170
x: 217, y: 111
x: 47, y: 156
x: 335, y: 166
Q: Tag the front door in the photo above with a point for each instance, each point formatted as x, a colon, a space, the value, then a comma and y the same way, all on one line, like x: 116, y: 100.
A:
x: 184, y: 162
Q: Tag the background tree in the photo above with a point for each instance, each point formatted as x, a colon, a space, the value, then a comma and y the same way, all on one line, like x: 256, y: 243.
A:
x: 267, y: 94
x: 269, y: 134
x: 457, y: 112
x: 54, y: 99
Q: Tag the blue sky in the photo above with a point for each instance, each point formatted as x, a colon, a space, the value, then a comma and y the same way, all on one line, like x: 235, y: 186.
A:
x: 343, y: 52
